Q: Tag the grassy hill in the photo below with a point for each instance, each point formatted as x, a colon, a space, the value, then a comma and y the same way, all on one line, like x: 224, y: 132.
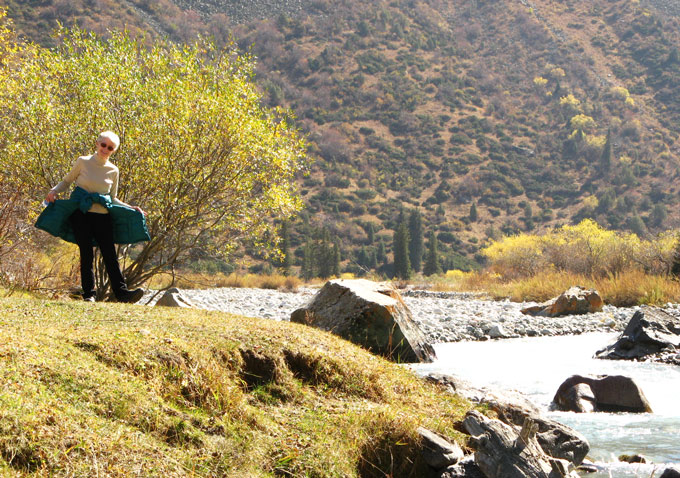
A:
x: 115, y: 390
x: 534, y: 114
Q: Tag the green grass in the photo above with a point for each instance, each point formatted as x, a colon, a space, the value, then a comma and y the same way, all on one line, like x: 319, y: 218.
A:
x: 114, y: 390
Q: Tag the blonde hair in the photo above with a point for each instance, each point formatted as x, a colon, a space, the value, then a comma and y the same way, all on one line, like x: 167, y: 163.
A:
x: 111, y: 136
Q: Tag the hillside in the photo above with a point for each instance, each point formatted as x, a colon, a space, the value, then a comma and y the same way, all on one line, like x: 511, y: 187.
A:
x: 112, y: 390
x: 489, y: 117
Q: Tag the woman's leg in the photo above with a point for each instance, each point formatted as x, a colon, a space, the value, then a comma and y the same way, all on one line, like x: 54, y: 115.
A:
x: 83, y: 234
x: 102, y: 229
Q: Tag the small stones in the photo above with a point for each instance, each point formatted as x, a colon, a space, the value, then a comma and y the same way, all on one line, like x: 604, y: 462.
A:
x: 442, y: 316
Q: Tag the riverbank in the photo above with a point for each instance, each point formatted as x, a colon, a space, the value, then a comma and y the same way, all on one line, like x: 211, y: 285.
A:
x: 442, y: 316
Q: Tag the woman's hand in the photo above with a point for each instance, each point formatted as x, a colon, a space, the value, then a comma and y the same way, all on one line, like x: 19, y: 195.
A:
x: 51, y: 196
x: 137, y: 208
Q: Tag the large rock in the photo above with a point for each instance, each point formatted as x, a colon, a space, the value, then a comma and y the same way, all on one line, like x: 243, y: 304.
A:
x: 608, y: 393
x: 651, y: 334
x: 513, y: 408
x: 503, y: 451
x: 174, y: 298
x: 670, y: 473
x: 369, y: 314
x: 439, y: 453
x: 575, y: 300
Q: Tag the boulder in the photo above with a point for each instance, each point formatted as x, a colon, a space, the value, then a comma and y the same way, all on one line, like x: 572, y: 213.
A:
x: 466, y: 468
x: 513, y: 408
x: 651, y: 334
x: 502, y: 451
x: 437, y: 452
x: 174, y: 298
x: 575, y: 300
x: 369, y: 314
x: 632, y: 458
x: 607, y: 393
x: 670, y: 473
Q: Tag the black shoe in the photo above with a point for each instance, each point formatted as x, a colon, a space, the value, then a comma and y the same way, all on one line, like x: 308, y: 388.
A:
x: 129, y: 296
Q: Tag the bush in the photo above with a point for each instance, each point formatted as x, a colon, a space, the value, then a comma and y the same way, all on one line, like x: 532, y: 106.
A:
x: 584, y: 249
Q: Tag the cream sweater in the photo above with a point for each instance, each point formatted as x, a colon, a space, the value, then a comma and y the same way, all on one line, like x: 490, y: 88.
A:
x: 94, y: 175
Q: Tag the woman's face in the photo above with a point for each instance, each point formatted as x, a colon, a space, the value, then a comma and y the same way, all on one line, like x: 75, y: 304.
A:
x: 105, y: 147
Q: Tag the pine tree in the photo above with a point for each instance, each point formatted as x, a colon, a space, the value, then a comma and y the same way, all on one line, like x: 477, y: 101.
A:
x: 402, y: 263
x: 415, y: 245
x: 308, y: 264
x: 324, y: 254
x: 381, y: 253
x: 370, y: 232
x: 607, y: 153
x: 335, y: 260
x: 473, y: 212
x: 675, y: 268
x: 432, y: 256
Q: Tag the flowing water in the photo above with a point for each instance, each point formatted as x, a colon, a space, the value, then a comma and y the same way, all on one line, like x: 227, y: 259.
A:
x: 537, y: 367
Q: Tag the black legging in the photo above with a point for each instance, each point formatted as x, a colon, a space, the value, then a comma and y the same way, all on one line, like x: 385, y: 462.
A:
x: 88, y: 226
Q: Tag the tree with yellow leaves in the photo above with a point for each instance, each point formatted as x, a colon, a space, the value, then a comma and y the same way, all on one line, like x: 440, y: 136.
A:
x: 209, y: 163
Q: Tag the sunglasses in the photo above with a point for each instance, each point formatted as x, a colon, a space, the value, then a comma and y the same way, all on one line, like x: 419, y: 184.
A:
x: 104, y: 145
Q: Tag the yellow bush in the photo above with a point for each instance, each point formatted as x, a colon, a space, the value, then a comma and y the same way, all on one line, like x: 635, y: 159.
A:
x: 540, y: 81
x: 585, y: 248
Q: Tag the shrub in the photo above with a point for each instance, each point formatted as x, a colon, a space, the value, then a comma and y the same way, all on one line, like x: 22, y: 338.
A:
x: 585, y: 248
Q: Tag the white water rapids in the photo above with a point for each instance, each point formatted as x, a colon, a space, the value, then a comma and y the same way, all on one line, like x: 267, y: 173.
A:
x: 537, y: 367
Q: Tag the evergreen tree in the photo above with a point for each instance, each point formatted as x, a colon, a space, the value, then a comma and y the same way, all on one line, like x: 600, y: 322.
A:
x: 675, y: 268
x: 370, y: 232
x: 324, y: 254
x: 607, y: 153
x: 432, y: 256
x: 373, y: 259
x: 402, y: 263
x: 308, y: 264
x: 335, y: 260
x: 381, y: 253
x: 473, y: 212
x: 658, y: 215
x: 415, y: 245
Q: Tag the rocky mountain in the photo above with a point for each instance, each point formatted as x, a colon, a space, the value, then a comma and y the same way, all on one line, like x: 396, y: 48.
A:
x: 488, y: 116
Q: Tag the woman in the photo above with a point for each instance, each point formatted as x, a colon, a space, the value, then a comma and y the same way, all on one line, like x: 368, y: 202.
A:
x: 93, y: 213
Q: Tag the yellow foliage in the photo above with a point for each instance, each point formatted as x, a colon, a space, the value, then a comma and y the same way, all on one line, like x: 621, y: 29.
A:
x: 540, y: 81
x: 591, y: 202
x: 596, y: 141
x: 557, y: 73
x: 630, y: 101
x: 456, y: 274
x: 570, y: 100
x: 625, y: 159
x: 620, y: 92
x: 585, y: 248
x: 581, y: 124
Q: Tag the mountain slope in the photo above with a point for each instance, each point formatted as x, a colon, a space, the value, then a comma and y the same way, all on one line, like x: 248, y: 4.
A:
x: 507, y: 105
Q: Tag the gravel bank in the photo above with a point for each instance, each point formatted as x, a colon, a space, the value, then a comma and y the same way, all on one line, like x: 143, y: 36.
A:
x: 443, y: 316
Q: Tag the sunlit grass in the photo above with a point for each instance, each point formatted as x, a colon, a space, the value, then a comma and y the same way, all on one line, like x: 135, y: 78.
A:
x: 106, y: 389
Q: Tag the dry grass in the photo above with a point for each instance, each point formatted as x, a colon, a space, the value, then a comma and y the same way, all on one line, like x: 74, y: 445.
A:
x: 625, y: 289
x: 113, y: 390
x: 208, y: 281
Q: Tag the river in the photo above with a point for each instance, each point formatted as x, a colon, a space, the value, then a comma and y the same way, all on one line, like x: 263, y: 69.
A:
x: 537, y: 367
